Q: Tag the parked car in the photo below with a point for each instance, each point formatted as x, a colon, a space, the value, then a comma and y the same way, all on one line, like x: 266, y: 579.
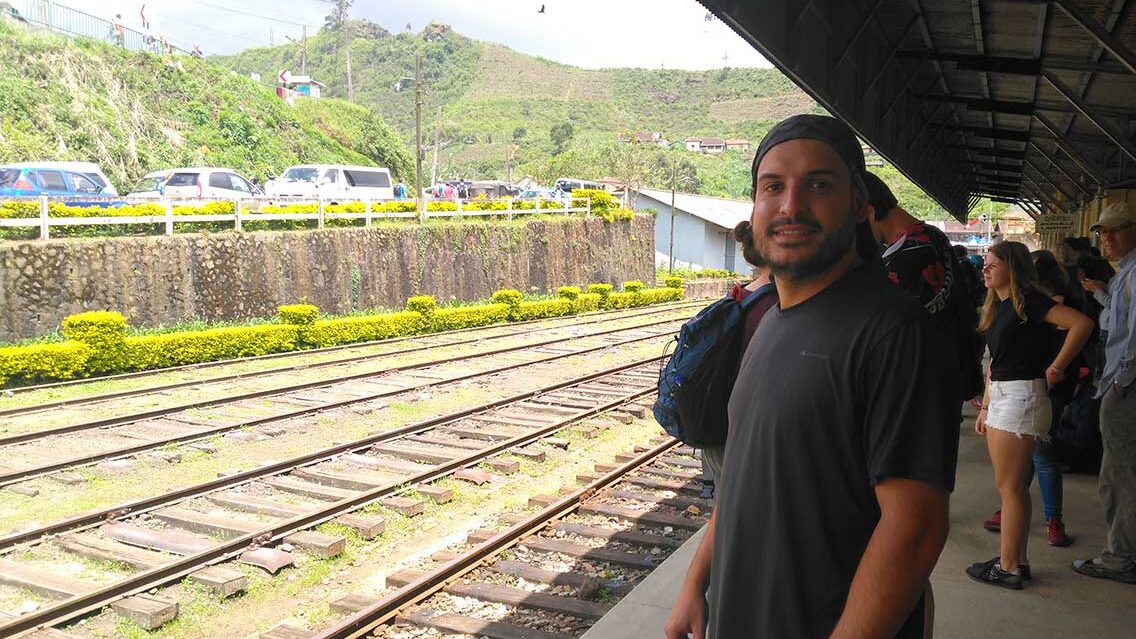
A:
x: 333, y: 182
x: 150, y: 185
x: 532, y: 194
x: 89, y: 169
x: 490, y: 189
x: 208, y: 183
x: 31, y: 181
x: 568, y: 185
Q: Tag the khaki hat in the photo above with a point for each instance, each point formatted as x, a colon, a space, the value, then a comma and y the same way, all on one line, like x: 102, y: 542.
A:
x: 1114, y: 216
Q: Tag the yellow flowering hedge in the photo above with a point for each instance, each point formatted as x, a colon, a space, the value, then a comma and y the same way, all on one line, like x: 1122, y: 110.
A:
x: 450, y: 319
x: 366, y: 328
x: 97, y: 342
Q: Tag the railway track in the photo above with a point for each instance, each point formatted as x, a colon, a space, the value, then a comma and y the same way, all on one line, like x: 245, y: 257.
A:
x: 557, y: 576
x: 363, y: 353
x: 248, y: 516
x: 52, y: 450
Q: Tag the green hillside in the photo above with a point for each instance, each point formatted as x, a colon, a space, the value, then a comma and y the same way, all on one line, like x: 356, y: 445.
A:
x: 490, y: 96
x: 132, y: 113
x: 485, y: 101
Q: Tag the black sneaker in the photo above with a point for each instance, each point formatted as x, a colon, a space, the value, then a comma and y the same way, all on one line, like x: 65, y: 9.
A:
x: 707, y: 490
x: 1090, y: 568
x: 989, y: 572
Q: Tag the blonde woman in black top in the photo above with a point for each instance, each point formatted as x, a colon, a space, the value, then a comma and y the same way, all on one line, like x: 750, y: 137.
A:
x: 1019, y: 319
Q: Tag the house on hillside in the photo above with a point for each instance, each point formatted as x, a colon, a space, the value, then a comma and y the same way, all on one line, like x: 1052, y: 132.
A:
x: 702, y: 229
x: 737, y: 145
x: 653, y: 137
x: 707, y: 145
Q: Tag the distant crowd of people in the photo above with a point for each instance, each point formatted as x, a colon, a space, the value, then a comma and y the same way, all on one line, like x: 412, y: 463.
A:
x: 831, y: 490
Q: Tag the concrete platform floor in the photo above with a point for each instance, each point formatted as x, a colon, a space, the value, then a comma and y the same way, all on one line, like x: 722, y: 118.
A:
x: 1058, y: 603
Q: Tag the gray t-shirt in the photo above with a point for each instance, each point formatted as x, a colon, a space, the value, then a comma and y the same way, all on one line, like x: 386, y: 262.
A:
x: 850, y: 387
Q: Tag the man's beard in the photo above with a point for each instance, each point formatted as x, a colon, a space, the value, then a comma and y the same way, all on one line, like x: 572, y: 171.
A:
x: 833, y: 247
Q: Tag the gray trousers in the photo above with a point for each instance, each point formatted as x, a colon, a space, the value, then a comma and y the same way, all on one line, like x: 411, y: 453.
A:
x: 712, y: 463
x: 1118, y: 478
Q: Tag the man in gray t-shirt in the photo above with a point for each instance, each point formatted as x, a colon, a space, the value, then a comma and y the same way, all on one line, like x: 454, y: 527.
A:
x: 842, y: 446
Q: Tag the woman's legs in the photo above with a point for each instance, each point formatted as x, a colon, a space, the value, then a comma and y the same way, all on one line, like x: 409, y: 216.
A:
x: 1010, y: 455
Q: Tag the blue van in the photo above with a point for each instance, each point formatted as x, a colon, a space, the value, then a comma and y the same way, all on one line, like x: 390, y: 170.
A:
x: 34, y: 181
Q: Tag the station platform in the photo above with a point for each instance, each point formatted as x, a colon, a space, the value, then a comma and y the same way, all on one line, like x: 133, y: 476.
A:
x: 1058, y: 603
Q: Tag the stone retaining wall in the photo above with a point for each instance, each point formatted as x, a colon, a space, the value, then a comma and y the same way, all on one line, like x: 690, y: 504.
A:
x: 164, y: 280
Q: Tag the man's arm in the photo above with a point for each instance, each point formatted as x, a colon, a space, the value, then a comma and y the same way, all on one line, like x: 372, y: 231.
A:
x: 898, y: 560
x: 688, y: 616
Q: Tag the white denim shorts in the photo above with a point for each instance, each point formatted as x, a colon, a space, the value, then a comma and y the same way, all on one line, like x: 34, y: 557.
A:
x: 1021, y: 407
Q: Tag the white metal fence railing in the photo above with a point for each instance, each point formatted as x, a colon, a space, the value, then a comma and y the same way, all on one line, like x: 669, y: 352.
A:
x: 246, y: 211
x: 63, y: 19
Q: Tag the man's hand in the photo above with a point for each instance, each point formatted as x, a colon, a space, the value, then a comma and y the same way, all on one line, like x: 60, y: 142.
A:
x: 688, y: 616
x: 1093, y: 286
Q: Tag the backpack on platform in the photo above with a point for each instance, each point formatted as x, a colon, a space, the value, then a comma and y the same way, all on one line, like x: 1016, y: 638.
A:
x: 696, y: 382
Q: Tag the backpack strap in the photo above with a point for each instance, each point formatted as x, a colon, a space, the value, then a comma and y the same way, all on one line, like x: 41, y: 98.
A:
x: 755, y: 296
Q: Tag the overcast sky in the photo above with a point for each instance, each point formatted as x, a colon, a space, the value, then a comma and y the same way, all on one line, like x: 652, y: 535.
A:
x: 587, y: 33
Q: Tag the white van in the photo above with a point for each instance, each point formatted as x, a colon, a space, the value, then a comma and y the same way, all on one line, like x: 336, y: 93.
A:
x: 89, y: 169
x: 333, y: 182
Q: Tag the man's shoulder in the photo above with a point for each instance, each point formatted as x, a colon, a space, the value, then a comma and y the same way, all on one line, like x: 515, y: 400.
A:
x: 868, y: 293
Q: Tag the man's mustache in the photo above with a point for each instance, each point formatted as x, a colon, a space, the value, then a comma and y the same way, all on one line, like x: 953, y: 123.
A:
x: 793, y: 221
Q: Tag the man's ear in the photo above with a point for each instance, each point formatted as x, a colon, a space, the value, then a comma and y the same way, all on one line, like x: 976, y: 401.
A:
x: 863, y: 209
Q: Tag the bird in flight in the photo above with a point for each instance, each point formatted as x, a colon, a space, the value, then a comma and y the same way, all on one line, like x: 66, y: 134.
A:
x: 541, y: 9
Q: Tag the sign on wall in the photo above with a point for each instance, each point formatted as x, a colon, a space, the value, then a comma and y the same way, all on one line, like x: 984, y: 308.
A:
x: 1055, y: 223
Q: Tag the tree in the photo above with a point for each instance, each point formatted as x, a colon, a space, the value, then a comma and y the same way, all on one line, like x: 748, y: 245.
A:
x: 519, y: 133
x: 629, y: 163
x: 560, y: 134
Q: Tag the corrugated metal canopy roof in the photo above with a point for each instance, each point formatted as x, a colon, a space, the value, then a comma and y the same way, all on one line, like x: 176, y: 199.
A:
x: 1020, y: 100
x: 718, y: 211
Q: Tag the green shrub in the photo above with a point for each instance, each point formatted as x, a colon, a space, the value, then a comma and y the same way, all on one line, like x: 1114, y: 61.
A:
x: 190, y: 347
x: 348, y: 330
x: 298, y: 314
x: 616, y: 301
x: 672, y: 282
x: 568, y: 292
x: 658, y: 295
x: 450, y: 319
x: 43, y: 362
x: 603, y: 290
x: 603, y: 204
x: 104, y: 332
x: 423, y: 304
x: 512, y: 298
x: 634, y: 286
x: 543, y: 308
x: 588, y: 302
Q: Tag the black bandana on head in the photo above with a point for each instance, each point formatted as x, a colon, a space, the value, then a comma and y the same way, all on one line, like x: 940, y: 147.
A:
x: 829, y: 130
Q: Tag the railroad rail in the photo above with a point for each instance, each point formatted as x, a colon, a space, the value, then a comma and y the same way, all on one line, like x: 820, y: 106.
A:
x: 415, y: 590
x: 333, y: 483
x: 298, y: 401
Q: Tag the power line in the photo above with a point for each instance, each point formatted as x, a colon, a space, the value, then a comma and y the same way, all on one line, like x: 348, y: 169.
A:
x: 251, y: 14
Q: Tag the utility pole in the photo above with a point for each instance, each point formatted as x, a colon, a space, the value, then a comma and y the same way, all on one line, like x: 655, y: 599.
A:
x: 434, y: 164
x: 304, y: 51
x: 418, y: 134
x: 671, y: 250
x: 347, y: 42
x: 271, y: 37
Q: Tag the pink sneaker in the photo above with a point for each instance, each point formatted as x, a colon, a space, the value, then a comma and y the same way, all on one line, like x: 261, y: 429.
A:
x: 994, y: 524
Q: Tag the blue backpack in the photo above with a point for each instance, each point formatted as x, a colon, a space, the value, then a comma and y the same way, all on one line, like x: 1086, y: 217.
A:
x: 695, y: 383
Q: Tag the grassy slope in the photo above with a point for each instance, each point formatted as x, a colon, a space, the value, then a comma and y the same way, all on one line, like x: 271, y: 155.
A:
x: 487, y: 91
x: 133, y: 113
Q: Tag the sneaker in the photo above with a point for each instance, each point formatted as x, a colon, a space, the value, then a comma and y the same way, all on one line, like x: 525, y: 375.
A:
x: 994, y: 524
x: 1055, y: 529
x: 707, y: 490
x: 990, y: 572
x: 1090, y: 568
